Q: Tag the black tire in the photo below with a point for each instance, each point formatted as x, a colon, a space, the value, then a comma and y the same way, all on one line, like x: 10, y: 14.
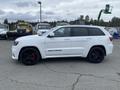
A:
x: 29, y: 56
x: 96, y: 55
x: 3, y: 37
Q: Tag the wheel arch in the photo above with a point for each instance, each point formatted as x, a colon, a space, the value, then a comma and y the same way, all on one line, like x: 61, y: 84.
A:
x: 29, y: 47
x: 101, y: 46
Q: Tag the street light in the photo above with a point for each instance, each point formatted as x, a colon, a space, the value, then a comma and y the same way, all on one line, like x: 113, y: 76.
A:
x: 39, y: 2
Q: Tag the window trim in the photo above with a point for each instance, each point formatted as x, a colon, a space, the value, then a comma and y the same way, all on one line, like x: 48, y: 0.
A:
x: 87, y: 28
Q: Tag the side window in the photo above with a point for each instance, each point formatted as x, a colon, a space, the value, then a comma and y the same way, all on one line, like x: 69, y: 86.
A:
x: 95, y: 32
x: 79, y: 31
x: 62, y: 32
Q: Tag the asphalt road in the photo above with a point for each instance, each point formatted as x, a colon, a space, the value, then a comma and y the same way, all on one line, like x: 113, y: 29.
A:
x: 59, y: 74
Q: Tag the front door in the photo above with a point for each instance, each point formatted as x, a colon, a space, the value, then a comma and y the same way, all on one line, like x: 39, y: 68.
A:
x: 60, y: 44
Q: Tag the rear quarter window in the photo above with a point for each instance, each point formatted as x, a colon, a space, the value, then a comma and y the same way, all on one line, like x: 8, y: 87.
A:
x: 95, y: 32
x: 79, y: 31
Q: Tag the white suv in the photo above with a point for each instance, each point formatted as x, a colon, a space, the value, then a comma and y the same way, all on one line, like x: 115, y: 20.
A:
x: 90, y: 42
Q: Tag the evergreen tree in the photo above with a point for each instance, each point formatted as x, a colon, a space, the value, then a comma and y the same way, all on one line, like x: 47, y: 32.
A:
x: 6, y: 21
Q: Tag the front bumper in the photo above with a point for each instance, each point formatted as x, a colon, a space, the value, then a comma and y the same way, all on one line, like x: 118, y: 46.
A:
x: 2, y: 35
x: 15, y: 53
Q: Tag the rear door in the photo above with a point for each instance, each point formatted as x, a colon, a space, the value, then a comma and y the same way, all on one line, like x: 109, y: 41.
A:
x: 80, y: 40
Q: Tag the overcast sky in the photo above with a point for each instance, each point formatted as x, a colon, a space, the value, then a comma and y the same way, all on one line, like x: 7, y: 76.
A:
x: 55, y: 9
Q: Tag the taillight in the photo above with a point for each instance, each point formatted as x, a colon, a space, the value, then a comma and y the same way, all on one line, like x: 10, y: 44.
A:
x: 111, y: 38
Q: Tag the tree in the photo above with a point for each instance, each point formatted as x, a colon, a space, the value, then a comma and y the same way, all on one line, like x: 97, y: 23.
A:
x: 87, y: 19
x: 81, y: 17
x: 6, y: 21
x: 115, y: 22
x: 53, y: 24
x: 92, y: 21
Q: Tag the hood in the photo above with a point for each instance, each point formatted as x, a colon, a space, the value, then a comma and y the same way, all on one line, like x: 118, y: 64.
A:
x: 3, y: 31
x: 29, y: 38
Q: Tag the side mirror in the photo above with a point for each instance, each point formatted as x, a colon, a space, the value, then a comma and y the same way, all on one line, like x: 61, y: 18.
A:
x: 51, y: 35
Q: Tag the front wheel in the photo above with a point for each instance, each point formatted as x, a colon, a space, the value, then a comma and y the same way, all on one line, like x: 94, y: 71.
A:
x: 29, y: 56
x: 96, y: 55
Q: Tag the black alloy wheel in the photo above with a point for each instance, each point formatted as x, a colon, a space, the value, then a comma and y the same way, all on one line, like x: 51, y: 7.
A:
x: 29, y: 56
x: 96, y: 55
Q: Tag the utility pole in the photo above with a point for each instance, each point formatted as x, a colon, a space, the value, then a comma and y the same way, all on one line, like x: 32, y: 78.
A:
x: 40, y: 10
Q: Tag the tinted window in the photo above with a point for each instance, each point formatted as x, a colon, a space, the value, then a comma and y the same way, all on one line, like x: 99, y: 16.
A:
x: 62, y: 32
x: 79, y: 31
x: 95, y: 32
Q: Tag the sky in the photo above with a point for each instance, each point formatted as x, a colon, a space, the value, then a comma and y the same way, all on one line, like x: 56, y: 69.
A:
x: 53, y: 10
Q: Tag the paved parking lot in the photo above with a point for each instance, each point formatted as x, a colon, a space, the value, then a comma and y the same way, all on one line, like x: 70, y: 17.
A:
x: 59, y: 74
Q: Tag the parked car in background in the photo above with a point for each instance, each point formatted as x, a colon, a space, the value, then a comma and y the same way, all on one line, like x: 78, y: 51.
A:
x: 22, y: 29
x: 113, y: 31
x: 42, y: 28
x: 62, y: 23
x: 90, y: 42
x: 42, y: 31
x: 3, y: 31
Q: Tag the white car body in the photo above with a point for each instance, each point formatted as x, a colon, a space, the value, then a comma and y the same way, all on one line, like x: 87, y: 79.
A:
x: 77, y: 46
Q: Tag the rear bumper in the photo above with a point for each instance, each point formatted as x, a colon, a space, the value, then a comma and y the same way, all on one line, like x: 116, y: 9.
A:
x: 109, y: 49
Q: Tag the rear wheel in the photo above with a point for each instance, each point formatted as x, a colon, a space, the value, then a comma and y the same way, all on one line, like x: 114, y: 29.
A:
x: 29, y: 56
x: 96, y: 55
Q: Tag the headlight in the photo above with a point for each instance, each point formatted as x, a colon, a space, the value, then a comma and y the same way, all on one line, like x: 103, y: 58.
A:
x: 15, y: 43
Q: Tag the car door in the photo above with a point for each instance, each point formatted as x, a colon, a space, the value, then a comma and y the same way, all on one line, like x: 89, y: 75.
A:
x: 80, y: 40
x: 60, y: 44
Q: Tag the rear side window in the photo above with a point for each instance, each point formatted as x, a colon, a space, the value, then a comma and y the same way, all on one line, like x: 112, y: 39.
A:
x: 95, y: 32
x: 79, y: 31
